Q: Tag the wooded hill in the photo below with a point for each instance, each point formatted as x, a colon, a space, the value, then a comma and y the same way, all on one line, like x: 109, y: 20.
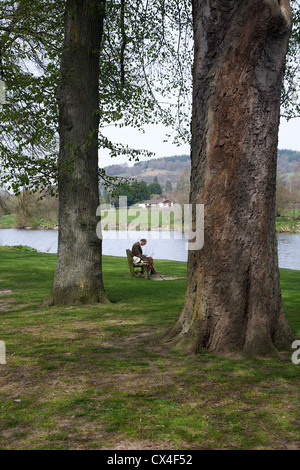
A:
x: 170, y: 168
x: 165, y: 168
x: 287, y: 160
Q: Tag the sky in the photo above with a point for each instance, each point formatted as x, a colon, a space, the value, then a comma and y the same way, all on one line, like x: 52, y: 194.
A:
x: 154, y: 136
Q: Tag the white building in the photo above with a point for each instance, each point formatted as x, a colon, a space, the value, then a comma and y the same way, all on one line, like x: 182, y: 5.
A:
x: 156, y: 203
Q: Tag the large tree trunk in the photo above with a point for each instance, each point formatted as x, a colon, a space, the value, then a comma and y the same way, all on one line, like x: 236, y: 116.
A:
x: 78, y: 276
x: 233, y: 300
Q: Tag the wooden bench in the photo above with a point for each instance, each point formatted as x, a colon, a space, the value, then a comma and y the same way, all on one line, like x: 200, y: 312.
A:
x: 132, y: 267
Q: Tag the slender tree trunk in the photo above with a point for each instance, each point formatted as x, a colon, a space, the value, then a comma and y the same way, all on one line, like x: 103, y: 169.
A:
x: 233, y: 300
x: 78, y: 276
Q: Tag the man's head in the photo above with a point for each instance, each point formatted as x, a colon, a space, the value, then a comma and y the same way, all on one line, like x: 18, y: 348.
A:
x: 143, y: 241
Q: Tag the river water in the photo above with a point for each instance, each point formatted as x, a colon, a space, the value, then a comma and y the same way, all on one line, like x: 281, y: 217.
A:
x: 161, y: 245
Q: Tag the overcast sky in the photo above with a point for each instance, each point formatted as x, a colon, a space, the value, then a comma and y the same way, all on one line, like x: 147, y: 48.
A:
x: 153, y: 140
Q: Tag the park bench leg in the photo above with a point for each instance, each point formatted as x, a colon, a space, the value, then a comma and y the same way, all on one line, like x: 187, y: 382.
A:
x: 145, y: 268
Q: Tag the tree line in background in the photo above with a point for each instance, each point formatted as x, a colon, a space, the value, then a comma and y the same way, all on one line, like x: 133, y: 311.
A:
x: 135, y: 191
x: 28, y: 210
x: 288, y: 193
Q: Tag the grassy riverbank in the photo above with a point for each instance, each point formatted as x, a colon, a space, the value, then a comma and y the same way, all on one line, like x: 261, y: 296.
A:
x: 287, y: 225
x: 116, y: 219
x: 10, y: 221
x: 99, y: 377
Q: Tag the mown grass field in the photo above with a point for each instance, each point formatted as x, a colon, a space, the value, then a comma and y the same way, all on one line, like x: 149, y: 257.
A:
x: 100, y: 377
x: 143, y: 219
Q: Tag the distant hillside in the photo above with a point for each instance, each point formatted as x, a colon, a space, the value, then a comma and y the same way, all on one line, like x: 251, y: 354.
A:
x: 170, y: 168
x: 287, y: 160
x: 165, y: 168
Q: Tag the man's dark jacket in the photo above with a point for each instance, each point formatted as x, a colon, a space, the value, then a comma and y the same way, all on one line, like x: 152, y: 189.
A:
x: 136, y: 249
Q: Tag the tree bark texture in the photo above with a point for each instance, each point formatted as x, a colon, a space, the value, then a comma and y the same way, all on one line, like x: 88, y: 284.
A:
x: 78, y: 276
x: 233, y: 299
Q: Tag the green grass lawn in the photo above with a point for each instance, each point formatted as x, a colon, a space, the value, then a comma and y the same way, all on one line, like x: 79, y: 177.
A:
x: 100, y: 377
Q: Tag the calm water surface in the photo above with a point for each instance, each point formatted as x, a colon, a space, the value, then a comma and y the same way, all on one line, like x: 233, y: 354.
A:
x: 161, y: 245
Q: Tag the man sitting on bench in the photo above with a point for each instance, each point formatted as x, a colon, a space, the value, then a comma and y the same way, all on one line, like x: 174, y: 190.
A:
x: 138, y: 253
